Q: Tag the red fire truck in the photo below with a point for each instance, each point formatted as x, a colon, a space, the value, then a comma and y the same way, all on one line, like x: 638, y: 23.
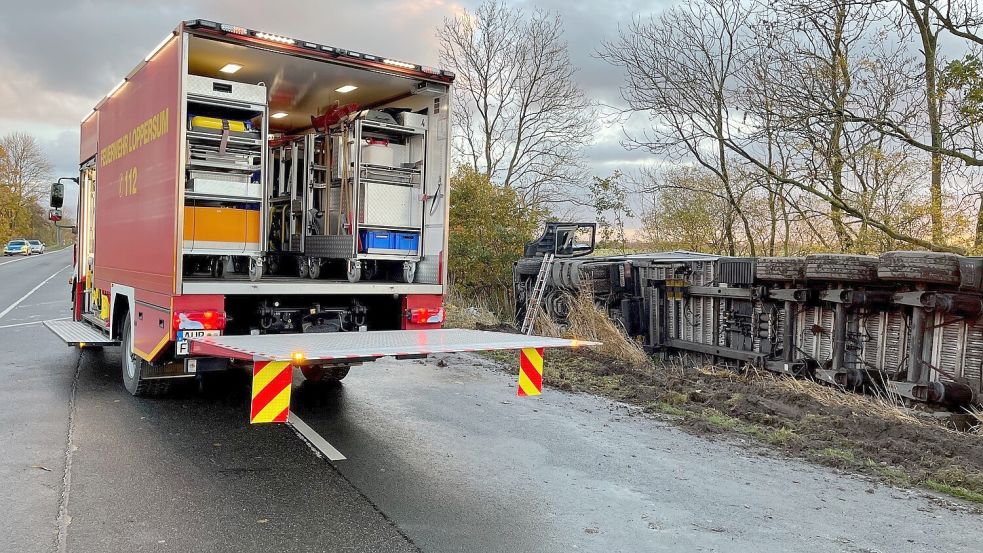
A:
x: 248, y: 198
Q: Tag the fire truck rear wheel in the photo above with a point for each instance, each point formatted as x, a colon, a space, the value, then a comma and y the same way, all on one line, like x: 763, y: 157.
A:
x: 273, y: 264
x: 370, y: 269
x: 133, y: 366
x: 325, y: 374
x: 303, y: 268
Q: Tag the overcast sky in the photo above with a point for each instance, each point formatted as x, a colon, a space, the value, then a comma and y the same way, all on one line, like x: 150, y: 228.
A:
x: 58, y: 58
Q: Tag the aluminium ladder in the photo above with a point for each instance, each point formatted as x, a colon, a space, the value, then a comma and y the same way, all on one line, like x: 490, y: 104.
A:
x: 536, y: 298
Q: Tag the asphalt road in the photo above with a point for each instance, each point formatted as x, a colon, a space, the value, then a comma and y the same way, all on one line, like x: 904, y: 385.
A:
x: 439, y: 458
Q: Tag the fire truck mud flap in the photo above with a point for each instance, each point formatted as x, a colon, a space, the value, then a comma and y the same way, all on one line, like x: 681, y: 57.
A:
x: 275, y: 355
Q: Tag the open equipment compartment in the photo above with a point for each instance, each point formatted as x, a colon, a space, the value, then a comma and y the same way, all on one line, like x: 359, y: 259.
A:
x: 347, y: 180
x: 223, y: 199
x: 376, y: 201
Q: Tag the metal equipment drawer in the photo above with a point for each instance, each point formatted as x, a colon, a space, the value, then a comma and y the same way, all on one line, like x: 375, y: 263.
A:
x: 225, y: 90
x: 389, y: 205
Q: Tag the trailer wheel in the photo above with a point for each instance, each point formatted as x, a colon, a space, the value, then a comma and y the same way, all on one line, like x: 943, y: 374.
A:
x: 841, y: 267
x: 557, y: 305
x: 354, y: 272
x: 133, y: 366
x: 303, y: 267
x: 528, y: 266
x: 929, y: 267
x: 409, y: 271
x: 779, y: 269
x: 555, y: 277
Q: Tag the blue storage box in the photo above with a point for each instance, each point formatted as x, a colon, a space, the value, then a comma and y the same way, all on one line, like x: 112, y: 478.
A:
x: 408, y: 242
x: 377, y: 240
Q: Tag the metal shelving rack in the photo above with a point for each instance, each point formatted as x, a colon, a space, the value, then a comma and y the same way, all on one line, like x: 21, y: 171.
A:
x: 379, y: 198
x: 225, y: 171
x: 322, y: 195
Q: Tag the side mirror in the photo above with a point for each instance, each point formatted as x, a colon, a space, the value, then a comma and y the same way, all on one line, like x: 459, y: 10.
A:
x: 57, y: 195
x: 54, y: 215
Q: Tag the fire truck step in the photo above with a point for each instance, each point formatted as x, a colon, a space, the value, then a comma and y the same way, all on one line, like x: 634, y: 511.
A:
x: 78, y: 332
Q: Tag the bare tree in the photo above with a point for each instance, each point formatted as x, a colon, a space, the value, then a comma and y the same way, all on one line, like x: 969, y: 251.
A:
x: 832, y: 65
x: 962, y: 18
x: 929, y: 28
x: 523, y: 120
x: 799, y: 75
x: 24, y: 169
x: 680, y: 69
x: 685, y: 212
x: 24, y: 174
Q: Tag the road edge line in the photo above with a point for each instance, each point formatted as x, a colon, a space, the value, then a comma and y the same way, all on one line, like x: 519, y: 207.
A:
x: 313, y: 438
x: 65, y: 519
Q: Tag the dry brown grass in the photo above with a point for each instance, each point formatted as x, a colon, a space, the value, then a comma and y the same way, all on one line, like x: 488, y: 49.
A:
x: 468, y: 312
x: 885, y: 404
x: 587, y: 322
x: 977, y: 414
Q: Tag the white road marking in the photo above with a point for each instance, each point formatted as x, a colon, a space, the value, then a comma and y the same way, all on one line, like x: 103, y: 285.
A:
x: 34, y: 322
x: 27, y: 295
x: 313, y: 438
x: 35, y: 256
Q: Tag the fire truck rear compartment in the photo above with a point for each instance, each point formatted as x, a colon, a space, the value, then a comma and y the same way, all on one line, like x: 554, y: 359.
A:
x: 272, y: 195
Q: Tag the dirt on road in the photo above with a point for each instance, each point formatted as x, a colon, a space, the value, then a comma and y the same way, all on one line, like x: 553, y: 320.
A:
x: 800, y: 418
x: 874, y: 435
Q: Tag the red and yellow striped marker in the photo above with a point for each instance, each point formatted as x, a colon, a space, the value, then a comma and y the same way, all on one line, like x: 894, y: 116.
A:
x: 530, y: 372
x: 271, y: 391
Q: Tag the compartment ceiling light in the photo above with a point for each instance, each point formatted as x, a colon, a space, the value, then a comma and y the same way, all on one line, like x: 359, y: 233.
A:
x: 346, y: 89
x: 275, y: 38
x: 279, y: 115
x: 230, y: 68
x: 396, y: 63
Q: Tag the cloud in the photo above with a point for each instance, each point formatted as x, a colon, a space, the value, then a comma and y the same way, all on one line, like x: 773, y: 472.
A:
x: 66, y: 55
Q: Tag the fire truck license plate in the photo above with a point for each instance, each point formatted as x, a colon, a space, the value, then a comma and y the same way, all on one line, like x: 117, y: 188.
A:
x: 183, y: 346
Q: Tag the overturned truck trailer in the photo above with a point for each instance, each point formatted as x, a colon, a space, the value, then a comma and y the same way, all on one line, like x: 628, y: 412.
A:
x: 909, y: 320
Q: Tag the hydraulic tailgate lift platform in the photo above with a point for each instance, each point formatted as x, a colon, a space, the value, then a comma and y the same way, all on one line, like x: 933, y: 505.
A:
x: 343, y: 346
x: 274, y: 356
